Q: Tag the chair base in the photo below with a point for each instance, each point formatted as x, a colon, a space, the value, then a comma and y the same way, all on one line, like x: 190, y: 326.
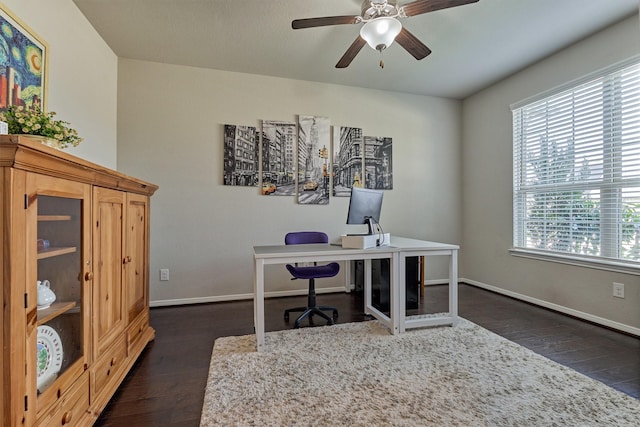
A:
x: 309, y: 312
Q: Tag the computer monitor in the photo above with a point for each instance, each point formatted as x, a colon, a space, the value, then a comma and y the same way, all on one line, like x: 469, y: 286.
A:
x: 364, y: 207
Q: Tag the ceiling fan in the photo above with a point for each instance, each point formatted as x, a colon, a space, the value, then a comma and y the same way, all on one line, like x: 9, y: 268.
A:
x: 381, y: 26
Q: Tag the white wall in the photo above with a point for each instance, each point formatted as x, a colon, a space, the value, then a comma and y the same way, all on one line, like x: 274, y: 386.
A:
x: 170, y: 130
x: 487, y: 195
x: 82, y: 74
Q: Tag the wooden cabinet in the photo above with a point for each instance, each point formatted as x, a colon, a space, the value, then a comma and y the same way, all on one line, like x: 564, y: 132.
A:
x: 82, y: 232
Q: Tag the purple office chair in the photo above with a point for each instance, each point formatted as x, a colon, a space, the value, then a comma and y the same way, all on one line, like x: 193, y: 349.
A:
x: 311, y: 273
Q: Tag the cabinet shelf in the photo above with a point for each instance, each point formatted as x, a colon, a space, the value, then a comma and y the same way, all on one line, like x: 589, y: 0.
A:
x: 51, y: 252
x: 54, y: 311
x: 54, y: 217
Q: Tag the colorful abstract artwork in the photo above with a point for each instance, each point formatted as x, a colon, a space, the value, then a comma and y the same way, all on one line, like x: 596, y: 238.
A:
x: 23, y: 59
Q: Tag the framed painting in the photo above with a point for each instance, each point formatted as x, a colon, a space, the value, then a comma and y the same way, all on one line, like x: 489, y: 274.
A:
x: 278, y: 158
x: 347, y: 160
x: 241, y: 156
x: 378, y: 161
x: 314, y: 164
x: 23, y: 64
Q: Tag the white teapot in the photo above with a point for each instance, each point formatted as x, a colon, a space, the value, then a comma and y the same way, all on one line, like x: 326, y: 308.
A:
x: 45, y: 295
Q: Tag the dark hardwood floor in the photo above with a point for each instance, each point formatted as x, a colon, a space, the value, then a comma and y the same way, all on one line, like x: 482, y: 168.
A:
x: 166, y: 386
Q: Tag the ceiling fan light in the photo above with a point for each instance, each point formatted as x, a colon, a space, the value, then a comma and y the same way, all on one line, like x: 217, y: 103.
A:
x: 380, y: 32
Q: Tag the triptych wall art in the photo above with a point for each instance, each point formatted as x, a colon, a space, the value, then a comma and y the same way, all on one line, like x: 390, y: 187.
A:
x: 307, y: 160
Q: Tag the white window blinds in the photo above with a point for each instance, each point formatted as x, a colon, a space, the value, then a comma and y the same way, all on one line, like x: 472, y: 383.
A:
x: 577, y: 168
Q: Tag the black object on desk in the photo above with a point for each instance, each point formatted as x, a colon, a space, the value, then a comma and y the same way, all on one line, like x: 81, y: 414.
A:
x: 380, y: 279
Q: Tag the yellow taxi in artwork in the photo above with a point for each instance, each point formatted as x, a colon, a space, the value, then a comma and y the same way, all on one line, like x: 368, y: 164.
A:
x: 268, y: 188
x: 310, y: 185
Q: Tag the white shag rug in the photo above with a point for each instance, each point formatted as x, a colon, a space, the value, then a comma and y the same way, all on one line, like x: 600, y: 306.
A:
x: 358, y: 374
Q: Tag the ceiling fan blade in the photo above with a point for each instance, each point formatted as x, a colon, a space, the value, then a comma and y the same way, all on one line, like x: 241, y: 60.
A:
x: 297, y: 24
x: 424, y: 6
x: 412, y: 45
x: 351, y: 53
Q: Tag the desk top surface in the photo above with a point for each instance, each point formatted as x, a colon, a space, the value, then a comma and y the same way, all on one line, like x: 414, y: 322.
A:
x: 405, y: 243
x: 397, y: 244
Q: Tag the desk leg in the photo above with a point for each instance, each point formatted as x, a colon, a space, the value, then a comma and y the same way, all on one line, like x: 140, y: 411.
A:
x: 422, y: 276
x: 398, y: 292
x: 367, y: 286
x: 258, y: 303
x: 453, y: 286
x: 347, y: 276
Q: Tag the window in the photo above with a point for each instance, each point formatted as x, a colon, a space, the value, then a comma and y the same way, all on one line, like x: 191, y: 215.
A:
x: 576, y: 168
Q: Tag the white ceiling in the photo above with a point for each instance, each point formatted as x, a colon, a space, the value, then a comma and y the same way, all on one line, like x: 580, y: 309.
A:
x: 473, y: 45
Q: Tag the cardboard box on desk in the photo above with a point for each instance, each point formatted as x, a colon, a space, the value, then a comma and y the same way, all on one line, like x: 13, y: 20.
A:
x: 366, y: 241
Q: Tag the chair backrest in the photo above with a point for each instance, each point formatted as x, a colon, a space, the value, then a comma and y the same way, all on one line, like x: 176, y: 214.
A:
x: 305, y: 237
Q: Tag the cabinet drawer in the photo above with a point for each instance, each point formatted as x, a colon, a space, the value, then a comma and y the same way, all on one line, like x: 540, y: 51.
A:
x: 71, y: 409
x: 138, y: 335
x: 108, y: 367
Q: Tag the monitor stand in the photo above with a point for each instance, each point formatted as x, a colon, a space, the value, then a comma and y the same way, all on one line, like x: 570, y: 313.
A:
x: 370, y: 226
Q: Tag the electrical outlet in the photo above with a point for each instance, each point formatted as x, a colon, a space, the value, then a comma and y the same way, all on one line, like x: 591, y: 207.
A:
x: 164, y: 274
x: 618, y: 290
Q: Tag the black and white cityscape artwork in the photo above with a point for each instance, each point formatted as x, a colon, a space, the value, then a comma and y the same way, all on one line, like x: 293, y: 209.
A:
x: 378, y: 163
x: 304, y: 160
x: 347, y: 160
x: 278, y: 158
x: 240, y: 156
x: 314, y: 164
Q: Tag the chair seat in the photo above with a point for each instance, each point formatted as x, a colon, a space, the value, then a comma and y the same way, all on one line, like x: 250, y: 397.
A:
x: 314, y: 271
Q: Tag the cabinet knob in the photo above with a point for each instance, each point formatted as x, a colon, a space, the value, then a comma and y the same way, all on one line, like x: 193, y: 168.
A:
x: 88, y: 276
x: 113, y: 361
x: 66, y: 418
x: 126, y: 260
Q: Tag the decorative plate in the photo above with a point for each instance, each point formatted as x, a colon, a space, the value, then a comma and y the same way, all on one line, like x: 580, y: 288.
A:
x: 49, y: 355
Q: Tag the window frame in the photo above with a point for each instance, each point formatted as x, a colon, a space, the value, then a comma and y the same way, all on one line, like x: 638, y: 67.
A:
x: 609, y: 258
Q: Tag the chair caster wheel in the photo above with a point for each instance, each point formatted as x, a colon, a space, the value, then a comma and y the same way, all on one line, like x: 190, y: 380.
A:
x: 335, y: 316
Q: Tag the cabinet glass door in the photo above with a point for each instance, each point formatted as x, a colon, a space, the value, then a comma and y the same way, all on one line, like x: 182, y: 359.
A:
x: 60, y: 330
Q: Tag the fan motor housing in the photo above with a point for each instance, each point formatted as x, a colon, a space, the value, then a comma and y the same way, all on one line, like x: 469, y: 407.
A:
x: 372, y: 9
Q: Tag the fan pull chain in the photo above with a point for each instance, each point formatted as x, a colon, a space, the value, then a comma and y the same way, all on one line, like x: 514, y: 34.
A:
x: 381, y: 60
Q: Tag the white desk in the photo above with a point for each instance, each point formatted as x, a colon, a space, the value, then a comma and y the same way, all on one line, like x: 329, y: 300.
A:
x: 412, y: 247
x: 400, y: 248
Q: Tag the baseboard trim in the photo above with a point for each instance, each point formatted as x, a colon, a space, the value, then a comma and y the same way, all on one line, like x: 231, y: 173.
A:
x: 555, y: 307
x: 297, y: 292
x: 239, y: 297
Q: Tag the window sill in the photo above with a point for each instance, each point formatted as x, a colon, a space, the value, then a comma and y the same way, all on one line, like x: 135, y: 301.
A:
x: 591, y: 262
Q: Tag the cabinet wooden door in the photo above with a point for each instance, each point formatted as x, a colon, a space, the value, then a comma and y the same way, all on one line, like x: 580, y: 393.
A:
x: 109, y: 311
x: 136, y: 259
x: 58, y: 247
